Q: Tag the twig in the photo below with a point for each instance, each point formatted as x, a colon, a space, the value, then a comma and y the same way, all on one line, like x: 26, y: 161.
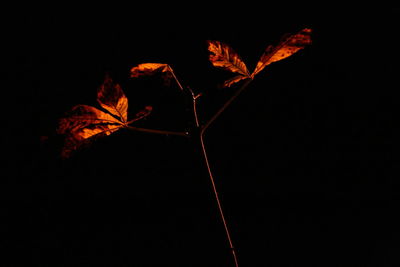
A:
x: 215, y: 191
x: 204, y: 152
x: 227, y: 103
x: 221, y: 212
x: 185, y: 134
x: 176, y: 79
x: 194, y: 103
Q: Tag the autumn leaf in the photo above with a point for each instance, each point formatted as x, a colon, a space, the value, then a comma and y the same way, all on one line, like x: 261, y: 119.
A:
x: 85, y: 123
x: 223, y: 56
x: 234, y: 80
x: 111, y: 97
x: 149, y: 69
x: 284, y: 49
x: 146, y: 69
x: 141, y: 114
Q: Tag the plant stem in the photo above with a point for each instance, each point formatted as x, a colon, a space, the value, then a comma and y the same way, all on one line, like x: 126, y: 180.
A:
x: 204, y: 152
x: 185, y: 134
x: 227, y: 103
x: 221, y: 212
x: 215, y: 191
x: 194, y: 104
x: 176, y: 79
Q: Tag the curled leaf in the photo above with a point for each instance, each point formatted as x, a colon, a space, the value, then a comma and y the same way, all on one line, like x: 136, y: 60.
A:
x: 284, y: 49
x: 111, y: 97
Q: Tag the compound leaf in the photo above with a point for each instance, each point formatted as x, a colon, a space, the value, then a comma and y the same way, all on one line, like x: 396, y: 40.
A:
x: 85, y: 123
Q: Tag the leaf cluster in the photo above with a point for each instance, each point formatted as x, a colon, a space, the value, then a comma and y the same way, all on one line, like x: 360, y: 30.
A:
x: 85, y: 123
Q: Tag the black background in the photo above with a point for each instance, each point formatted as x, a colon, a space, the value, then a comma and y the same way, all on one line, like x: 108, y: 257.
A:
x: 305, y: 159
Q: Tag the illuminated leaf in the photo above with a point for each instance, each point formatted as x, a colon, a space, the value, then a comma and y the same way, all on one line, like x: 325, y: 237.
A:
x: 223, y: 56
x: 142, y: 114
x: 111, y: 97
x: 85, y: 123
x: 234, y: 80
x: 148, y: 69
x: 284, y: 49
x: 145, y: 69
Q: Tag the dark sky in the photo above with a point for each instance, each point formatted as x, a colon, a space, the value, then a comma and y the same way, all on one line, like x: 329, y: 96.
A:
x: 305, y: 159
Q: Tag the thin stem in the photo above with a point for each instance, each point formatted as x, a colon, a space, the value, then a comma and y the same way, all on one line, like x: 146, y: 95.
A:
x: 218, y: 202
x: 195, y: 113
x: 227, y: 103
x: 194, y: 98
x: 185, y: 134
x: 204, y: 152
x: 176, y: 79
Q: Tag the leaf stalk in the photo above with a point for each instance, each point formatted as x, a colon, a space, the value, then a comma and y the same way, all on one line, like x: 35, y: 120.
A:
x: 154, y: 131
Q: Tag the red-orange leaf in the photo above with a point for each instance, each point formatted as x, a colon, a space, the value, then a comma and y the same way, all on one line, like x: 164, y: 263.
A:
x: 223, y: 56
x: 111, y: 97
x: 284, y: 49
x: 234, y: 80
x: 83, y: 123
x: 149, y: 69
x: 141, y: 114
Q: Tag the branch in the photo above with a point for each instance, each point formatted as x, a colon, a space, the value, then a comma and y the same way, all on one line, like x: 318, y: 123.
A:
x: 221, y: 212
x: 194, y: 104
x: 210, y: 174
x: 176, y: 79
x: 227, y: 103
x: 185, y: 134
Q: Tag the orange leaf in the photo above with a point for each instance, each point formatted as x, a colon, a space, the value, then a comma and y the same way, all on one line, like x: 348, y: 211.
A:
x: 149, y: 69
x: 233, y: 80
x: 141, y: 114
x: 223, y: 56
x: 85, y: 122
x: 284, y: 49
x: 111, y: 97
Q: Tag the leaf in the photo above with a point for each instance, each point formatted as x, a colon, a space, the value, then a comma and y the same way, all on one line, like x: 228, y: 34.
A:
x: 223, y: 56
x: 111, y: 97
x: 146, y: 69
x: 233, y: 80
x: 284, y: 49
x: 83, y: 123
x: 141, y: 114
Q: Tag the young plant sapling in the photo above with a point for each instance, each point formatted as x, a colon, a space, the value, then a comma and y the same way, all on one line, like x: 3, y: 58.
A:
x: 85, y: 123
